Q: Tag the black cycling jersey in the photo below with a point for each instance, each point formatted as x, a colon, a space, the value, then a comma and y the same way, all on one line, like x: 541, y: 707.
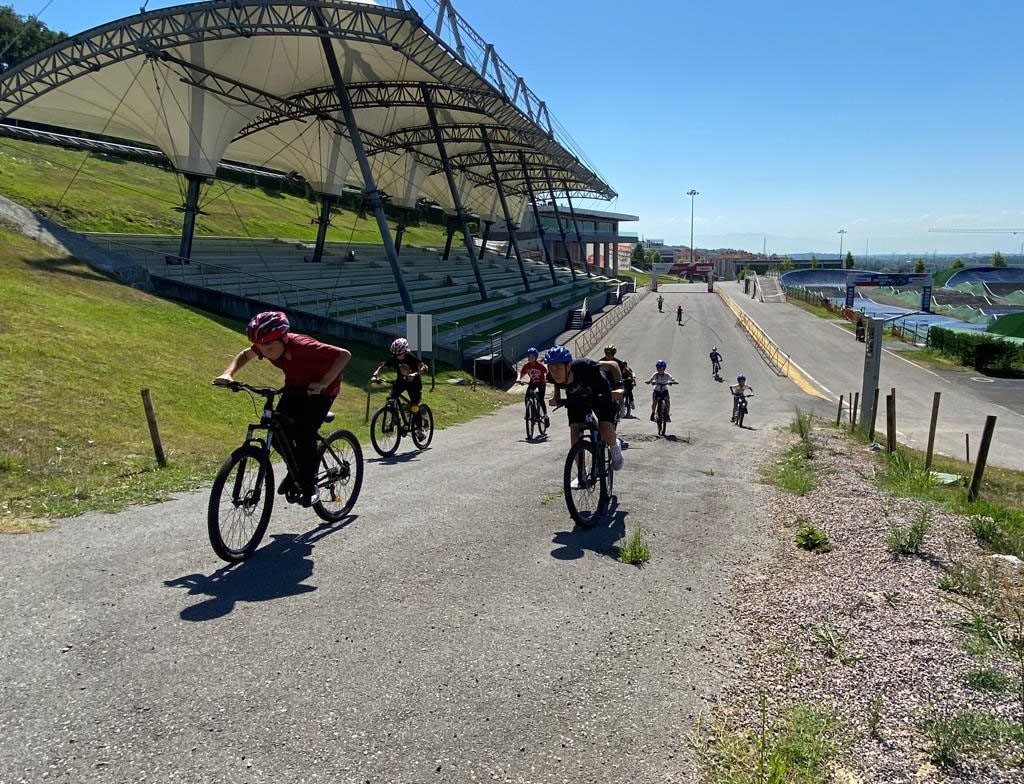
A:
x: 588, y: 382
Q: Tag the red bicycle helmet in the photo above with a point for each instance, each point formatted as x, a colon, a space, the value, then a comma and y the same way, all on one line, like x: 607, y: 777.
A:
x: 268, y: 326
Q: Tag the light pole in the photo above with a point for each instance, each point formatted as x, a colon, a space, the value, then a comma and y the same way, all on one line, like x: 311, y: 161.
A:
x: 841, y: 232
x: 691, y: 193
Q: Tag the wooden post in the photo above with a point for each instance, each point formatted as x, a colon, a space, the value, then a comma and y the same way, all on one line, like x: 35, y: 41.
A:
x: 366, y: 417
x: 154, y: 432
x: 979, y: 465
x: 967, y: 447
x: 890, y: 423
x: 850, y: 412
x: 839, y: 413
x: 856, y: 406
x: 931, y: 432
x: 874, y: 417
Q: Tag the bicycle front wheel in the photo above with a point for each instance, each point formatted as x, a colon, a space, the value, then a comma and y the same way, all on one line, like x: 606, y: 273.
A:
x: 532, y: 417
x: 423, y: 431
x: 586, y: 494
x: 339, y: 477
x: 241, y: 500
x: 384, y: 431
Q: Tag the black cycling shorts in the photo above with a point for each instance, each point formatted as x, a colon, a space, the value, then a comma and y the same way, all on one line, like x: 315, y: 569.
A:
x: 604, y: 409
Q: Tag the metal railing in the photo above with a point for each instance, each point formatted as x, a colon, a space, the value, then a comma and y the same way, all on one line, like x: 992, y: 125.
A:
x: 769, y: 350
x: 585, y: 342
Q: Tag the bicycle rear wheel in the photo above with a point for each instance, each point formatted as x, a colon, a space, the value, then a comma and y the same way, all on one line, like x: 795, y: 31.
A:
x: 339, y: 477
x: 241, y: 500
x: 424, y: 434
x: 586, y: 493
x: 384, y: 431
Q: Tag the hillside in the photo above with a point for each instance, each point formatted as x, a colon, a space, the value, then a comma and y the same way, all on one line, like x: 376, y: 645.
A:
x: 89, y: 193
x: 77, y: 348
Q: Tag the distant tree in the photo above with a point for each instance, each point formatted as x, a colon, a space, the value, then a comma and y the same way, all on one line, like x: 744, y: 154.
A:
x: 814, y: 262
x: 919, y: 265
x: 998, y: 260
x: 639, y: 256
x: 653, y: 257
x: 958, y: 264
x: 849, y: 260
x: 22, y: 37
x: 787, y: 263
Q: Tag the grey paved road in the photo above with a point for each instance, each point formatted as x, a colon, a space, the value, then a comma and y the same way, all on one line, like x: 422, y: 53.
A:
x: 836, y: 361
x: 456, y: 629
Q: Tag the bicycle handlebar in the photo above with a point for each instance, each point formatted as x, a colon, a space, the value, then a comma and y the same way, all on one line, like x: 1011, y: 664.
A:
x: 240, y: 386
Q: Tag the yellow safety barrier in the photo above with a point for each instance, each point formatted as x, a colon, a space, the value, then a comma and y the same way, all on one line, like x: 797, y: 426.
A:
x: 771, y: 351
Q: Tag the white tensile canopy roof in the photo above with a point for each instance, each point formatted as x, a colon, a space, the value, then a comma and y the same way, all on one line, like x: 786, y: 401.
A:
x: 250, y: 82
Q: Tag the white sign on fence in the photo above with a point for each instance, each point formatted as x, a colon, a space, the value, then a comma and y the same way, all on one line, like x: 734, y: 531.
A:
x: 419, y: 332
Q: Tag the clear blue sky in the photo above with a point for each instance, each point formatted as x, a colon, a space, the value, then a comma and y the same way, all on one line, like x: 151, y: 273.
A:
x: 792, y: 119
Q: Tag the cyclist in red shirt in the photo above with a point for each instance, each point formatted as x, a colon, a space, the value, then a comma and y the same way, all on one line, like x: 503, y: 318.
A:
x: 538, y: 373
x: 312, y: 379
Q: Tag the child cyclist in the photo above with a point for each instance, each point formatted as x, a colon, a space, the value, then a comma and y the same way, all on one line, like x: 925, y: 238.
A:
x: 408, y: 368
x: 537, y: 383
x: 738, y: 390
x: 587, y: 386
x: 661, y: 380
x: 312, y: 379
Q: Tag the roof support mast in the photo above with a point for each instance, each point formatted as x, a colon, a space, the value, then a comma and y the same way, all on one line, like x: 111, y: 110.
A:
x: 460, y: 212
x: 372, y: 194
x: 510, y: 226
x: 558, y: 218
x: 536, y: 217
x: 576, y: 226
x: 188, y: 224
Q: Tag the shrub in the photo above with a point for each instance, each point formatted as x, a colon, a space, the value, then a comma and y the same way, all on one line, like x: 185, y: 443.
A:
x: 812, y: 539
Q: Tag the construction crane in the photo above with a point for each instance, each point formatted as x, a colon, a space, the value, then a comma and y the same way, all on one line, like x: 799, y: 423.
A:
x: 977, y: 231
x: 984, y: 231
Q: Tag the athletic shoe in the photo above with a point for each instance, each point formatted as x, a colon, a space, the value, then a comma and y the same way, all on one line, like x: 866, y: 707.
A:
x: 576, y: 484
x: 547, y: 422
x: 617, y: 460
x: 652, y: 417
x: 668, y: 419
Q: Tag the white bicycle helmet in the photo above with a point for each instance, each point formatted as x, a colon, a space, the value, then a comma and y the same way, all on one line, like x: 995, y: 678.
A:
x: 399, y: 346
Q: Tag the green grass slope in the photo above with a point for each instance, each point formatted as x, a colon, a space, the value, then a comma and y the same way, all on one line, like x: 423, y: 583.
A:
x: 1011, y: 325
x: 87, y: 193
x: 77, y: 348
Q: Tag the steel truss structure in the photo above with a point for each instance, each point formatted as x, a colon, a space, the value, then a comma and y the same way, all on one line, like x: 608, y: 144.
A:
x: 343, y: 93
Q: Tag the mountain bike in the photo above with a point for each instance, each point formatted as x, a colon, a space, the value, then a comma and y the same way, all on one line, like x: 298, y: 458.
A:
x: 396, y: 419
x: 536, y: 422
x: 661, y: 408
x: 741, y: 405
x: 242, y: 496
x: 589, y: 477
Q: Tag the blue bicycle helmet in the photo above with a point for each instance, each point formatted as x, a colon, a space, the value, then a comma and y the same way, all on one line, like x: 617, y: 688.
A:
x: 532, y: 352
x: 559, y: 355
x: 741, y: 377
x: 661, y: 364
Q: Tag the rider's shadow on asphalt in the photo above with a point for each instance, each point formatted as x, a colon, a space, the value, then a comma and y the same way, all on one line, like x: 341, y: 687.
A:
x: 599, y: 538
x: 405, y: 457
x: 276, y: 570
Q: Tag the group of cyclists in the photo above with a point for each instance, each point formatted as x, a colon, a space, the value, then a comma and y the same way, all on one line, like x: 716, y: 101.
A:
x: 313, y: 372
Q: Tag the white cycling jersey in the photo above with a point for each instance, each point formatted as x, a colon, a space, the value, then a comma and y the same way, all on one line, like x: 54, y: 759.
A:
x: 661, y: 381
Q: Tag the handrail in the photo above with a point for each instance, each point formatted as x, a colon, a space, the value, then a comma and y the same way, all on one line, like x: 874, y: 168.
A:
x: 584, y: 342
x: 765, y: 345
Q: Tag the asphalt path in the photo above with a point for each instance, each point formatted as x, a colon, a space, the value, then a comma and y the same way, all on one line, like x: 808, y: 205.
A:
x: 829, y: 353
x: 455, y: 628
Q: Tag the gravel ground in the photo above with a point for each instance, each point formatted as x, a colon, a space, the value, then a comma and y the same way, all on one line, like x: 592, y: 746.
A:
x: 910, y: 660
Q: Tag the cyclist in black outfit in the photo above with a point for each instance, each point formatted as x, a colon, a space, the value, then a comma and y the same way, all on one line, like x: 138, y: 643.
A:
x: 587, y: 386
x: 628, y: 378
x: 409, y: 368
